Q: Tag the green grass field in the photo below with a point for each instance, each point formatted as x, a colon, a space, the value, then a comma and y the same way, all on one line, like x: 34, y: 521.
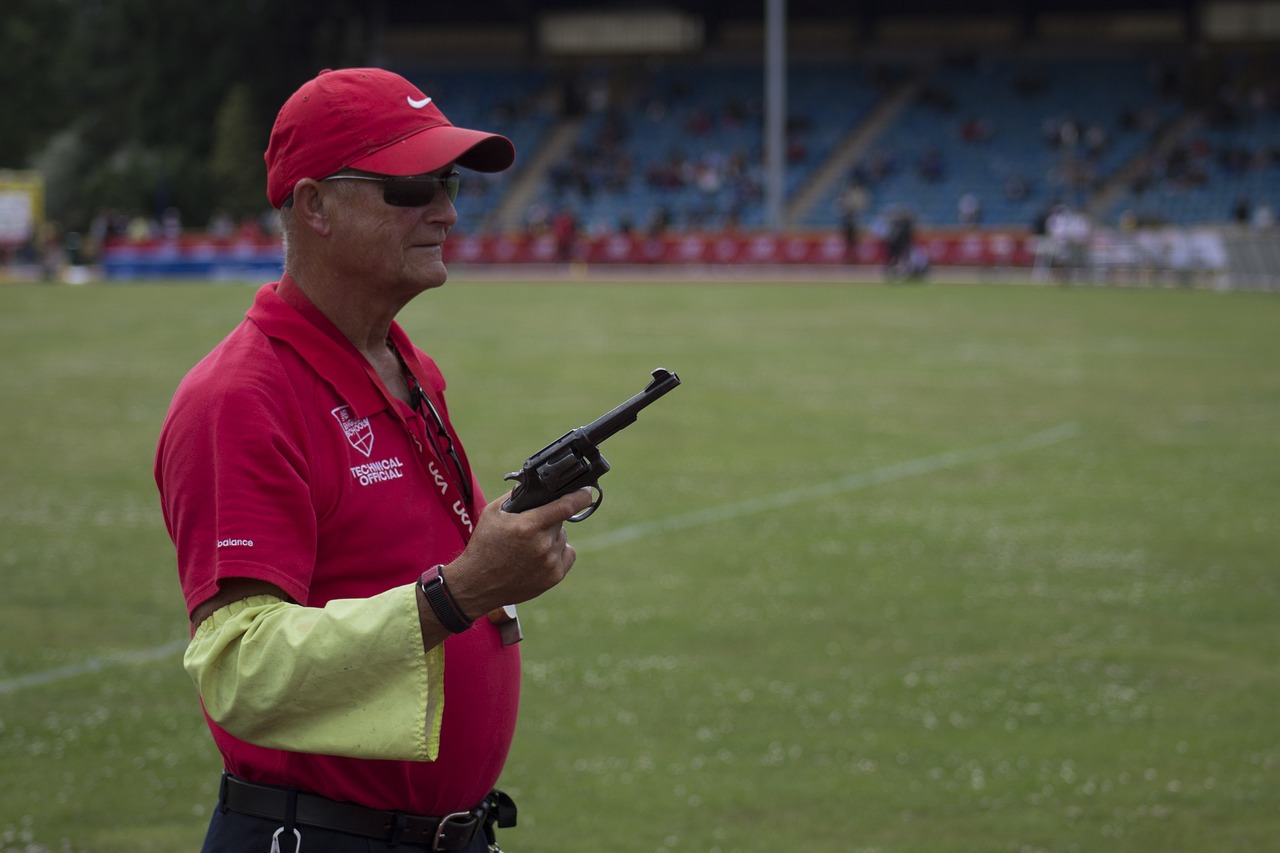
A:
x: 935, y: 568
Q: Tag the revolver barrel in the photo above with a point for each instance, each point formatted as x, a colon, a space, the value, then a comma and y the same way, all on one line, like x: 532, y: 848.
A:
x: 574, y: 460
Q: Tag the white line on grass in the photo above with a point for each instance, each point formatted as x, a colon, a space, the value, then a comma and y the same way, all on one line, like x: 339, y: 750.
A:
x: 851, y: 483
x: 84, y: 667
x: 780, y: 500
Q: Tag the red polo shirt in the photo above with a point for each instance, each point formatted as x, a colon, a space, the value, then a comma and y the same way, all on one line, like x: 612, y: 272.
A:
x: 284, y: 458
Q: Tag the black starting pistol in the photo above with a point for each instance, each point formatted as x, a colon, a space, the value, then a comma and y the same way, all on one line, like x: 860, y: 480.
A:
x: 573, y: 460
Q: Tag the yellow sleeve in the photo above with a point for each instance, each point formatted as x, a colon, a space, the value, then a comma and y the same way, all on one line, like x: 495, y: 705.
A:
x: 350, y: 678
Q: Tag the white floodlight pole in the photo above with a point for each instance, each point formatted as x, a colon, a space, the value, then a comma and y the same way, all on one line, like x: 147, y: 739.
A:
x: 775, y: 110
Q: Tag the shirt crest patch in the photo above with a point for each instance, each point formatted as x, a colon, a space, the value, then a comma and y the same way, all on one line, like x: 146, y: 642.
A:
x: 357, y: 430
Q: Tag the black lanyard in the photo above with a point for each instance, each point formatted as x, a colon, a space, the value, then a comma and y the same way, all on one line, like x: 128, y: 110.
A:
x: 422, y: 404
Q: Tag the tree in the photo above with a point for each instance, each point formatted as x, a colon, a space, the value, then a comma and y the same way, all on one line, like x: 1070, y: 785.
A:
x: 236, y: 166
x: 33, y: 71
x: 126, y: 101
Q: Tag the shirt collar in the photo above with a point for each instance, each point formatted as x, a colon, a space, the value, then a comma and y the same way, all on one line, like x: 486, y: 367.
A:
x: 284, y: 313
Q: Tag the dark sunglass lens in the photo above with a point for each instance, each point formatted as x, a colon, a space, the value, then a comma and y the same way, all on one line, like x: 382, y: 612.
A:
x: 418, y: 192
x: 409, y: 192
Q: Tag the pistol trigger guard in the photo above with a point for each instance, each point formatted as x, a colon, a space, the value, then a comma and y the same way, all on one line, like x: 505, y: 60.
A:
x: 582, y: 516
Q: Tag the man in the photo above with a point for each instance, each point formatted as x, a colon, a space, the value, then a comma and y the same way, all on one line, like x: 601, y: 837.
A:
x: 852, y: 206
x: 347, y: 585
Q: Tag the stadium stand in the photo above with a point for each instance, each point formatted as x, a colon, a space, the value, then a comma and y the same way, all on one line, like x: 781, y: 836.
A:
x: 681, y: 147
x: 516, y: 102
x: 1226, y: 168
x: 978, y: 149
x: 1016, y: 134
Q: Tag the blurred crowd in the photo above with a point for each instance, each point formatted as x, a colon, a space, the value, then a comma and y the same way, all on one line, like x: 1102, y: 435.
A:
x: 704, y: 183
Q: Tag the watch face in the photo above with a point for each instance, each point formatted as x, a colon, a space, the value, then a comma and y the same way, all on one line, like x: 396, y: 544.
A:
x: 504, y: 614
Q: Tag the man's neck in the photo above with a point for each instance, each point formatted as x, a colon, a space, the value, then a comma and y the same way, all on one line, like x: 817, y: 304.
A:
x: 360, y: 318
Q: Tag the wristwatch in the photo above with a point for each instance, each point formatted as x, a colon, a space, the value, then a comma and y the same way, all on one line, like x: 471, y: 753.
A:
x: 441, y: 600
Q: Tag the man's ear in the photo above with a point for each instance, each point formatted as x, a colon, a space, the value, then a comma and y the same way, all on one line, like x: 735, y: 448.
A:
x: 310, y: 206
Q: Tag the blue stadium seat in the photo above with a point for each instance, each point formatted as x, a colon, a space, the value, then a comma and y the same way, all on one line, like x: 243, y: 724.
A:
x: 697, y: 117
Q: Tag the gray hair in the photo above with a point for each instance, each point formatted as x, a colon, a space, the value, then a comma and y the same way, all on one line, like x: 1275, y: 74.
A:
x: 343, y: 189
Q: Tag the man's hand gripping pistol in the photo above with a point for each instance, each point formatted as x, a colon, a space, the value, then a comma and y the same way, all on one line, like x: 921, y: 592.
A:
x: 573, y: 460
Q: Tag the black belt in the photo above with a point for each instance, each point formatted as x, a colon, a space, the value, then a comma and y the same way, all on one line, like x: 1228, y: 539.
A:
x: 451, y: 832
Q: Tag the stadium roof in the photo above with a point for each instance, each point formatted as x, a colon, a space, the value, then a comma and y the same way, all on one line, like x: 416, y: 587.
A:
x: 527, y: 11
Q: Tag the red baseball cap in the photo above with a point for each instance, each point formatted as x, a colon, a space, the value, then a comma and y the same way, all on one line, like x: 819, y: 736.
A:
x: 373, y: 120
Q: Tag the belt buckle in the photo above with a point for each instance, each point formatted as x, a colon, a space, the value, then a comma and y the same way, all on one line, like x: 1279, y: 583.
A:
x: 462, y: 822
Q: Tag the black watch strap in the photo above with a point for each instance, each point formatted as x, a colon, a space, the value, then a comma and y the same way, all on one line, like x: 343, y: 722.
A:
x: 441, y: 600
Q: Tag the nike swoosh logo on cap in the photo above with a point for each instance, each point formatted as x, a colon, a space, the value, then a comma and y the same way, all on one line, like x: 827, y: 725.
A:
x: 417, y: 105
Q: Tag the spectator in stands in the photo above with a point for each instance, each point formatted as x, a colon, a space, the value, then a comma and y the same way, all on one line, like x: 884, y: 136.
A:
x: 537, y: 219
x: 660, y: 221
x: 976, y: 129
x: 564, y: 227
x: 1069, y: 232
x: 881, y: 165
x: 1040, y: 222
x: 53, y: 256
x: 99, y: 231
x: 938, y: 98
x: 1016, y: 187
x: 1096, y: 140
x: 707, y: 173
x: 221, y: 226
x: 1183, y: 169
x: 141, y: 229
x: 969, y: 209
x: 931, y: 165
x: 699, y: 122
x: 903, y: 260
x: 735, y: 112
x: 852, y: 206
x: 171, y: 224
x: 1241, y: 210
x: 797, y: 147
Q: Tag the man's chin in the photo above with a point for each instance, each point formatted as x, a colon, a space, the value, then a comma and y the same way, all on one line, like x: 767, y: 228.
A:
x: 430, y: 275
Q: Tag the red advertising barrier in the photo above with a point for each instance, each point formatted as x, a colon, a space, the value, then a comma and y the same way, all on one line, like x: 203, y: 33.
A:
x: 976, y: 249
x: 196, y: 254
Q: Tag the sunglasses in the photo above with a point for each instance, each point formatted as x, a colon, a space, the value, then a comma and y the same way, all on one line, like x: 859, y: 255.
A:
x: 423, y: 405
x: 412, y: 191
